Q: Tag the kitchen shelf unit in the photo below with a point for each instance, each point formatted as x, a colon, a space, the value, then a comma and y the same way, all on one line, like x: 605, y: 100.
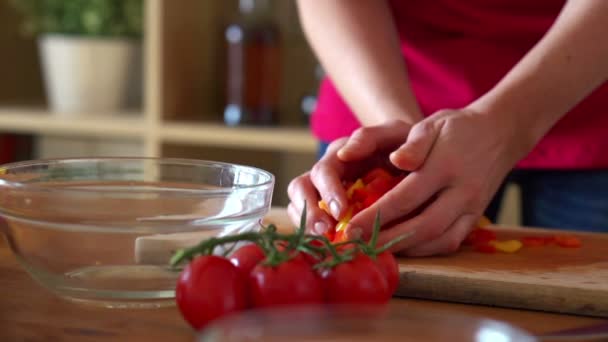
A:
x: 179, y: 114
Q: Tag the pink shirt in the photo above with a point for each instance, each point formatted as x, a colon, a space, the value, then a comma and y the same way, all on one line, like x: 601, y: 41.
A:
x: 456, y: 50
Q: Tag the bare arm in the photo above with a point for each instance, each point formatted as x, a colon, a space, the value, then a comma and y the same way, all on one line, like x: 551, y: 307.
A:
x: 564, y: 67
x: 358, y: 45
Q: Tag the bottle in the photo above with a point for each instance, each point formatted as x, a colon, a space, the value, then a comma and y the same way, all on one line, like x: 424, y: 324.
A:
x: 253, y: 66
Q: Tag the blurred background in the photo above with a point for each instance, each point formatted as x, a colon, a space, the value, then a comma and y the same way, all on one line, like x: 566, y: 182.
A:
x: 229, y: 80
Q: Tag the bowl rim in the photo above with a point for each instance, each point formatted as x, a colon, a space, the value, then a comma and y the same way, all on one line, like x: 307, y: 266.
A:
x: 8, y: 184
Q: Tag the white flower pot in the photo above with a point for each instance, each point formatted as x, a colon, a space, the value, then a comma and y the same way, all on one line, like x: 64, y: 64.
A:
x: 91, y: 76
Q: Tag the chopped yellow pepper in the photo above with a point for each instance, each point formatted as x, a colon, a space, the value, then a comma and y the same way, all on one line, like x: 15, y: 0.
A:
x: 344, y: 221
x: 507, y: 246
x: 324, y: 207
x: 483, y: 222
x: 356, y: 185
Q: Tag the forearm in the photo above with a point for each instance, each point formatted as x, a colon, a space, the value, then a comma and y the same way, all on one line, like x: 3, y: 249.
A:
x: 357, y: 44
x: 561, y: 70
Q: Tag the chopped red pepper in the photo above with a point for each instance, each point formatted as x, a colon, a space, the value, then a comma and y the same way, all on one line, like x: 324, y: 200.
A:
x: 340, y: 236
x: 568, y: 241
x: 370, y: 199
x: 479, y: 235
x: 534, y: 241
x: 376, y: 173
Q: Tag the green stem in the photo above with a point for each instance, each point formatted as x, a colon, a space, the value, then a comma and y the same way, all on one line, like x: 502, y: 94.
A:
x: 375, y: 231
x: 207, y: 246
x: 393, y: 242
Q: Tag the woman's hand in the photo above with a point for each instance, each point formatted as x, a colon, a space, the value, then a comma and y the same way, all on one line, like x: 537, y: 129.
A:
x: 324, y: 181
x: 457, y: 159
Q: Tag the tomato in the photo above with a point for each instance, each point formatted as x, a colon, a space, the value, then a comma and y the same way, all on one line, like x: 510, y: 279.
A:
x: 357, y: 281
x: 208, y: 288
x: 290, y: 283
x: 390, y: 268
x: 314, y: 258
x: 302, y: 256
x: 305, y: 257
x: 246, y: 257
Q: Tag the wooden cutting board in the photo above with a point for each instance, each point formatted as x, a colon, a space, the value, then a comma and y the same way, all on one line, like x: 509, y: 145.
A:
x: 547, y: 278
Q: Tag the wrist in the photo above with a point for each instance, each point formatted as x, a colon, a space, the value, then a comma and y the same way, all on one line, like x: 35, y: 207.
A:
x: 521, y: 129
x: 386, y: 112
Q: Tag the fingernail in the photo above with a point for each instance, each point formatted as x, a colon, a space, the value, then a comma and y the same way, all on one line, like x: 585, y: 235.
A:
x: 320, y: 227
x: 353, y: 233
x: 334, y: 208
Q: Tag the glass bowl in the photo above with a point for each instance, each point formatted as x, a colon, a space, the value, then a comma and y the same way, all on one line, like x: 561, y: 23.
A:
x: 103, y: 230
x: 345, y: 323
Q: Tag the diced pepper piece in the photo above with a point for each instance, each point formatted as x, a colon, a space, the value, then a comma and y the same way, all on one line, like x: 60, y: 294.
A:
x: 358, y: 184
x: 508, y: 246
x: 341, y: 225
x: 376, y: 173
x: 330, y: 234
x: 534, y: 241
x: 340, y: 236
x: 549, y: 239
x: 568, y: 241
x: 359, y: 195
x: 324, y: 207
x: 485, y: 248
x: 479, y: 235
x: 483, y: 222
x: 370, y: 199
x: 380, y: 185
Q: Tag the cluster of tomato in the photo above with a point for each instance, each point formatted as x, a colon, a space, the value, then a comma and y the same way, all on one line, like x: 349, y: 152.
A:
x: 361, y: 194
x: 486, y: 241
x: 276, y: 269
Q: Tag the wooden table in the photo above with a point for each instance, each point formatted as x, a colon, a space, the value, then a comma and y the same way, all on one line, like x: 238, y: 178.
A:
x: 30, y: 313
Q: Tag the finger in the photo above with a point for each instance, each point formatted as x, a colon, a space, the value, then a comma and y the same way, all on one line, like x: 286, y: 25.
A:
x: 411, y: 155
x: 430, y: 224
x: 326, y: 176
x: 447, y: 243
x: 301, y: 191
x: 367, y: 140
x: 410, y: 195
x: 313, y: 225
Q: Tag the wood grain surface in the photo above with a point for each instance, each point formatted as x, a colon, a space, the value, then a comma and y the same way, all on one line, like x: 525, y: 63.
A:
x: 550, y: 278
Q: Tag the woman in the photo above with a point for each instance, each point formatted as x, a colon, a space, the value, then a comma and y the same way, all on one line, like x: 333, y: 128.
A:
x: 460, y: 93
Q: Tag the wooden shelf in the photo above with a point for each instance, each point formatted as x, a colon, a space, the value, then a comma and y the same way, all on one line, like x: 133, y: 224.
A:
x: 286, y: 139
x: 133, y: 126
x: 40, y: 121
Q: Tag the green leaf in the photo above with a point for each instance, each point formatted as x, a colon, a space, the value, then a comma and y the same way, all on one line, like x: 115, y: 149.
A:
x: 111, y: 18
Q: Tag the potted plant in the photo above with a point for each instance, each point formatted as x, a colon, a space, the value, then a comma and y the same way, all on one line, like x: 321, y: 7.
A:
x: 90, y: 52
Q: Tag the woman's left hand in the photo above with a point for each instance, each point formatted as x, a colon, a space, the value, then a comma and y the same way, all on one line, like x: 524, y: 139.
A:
x: 457, y: 160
